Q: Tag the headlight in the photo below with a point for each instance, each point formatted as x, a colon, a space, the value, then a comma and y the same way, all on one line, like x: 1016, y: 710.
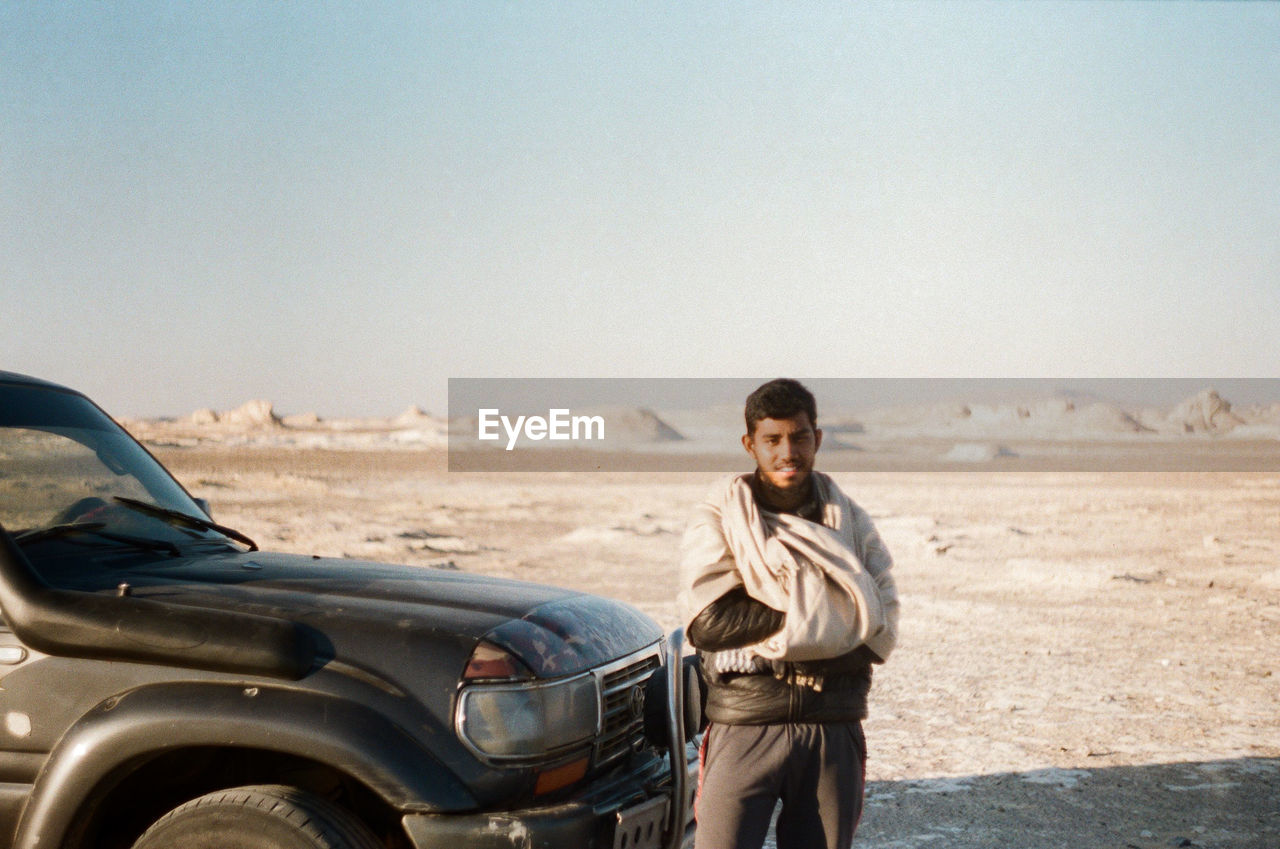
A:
x: 528, y: 720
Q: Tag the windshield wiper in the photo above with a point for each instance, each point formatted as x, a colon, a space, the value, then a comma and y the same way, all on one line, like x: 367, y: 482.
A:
x: 177, y: 517
x: 95, y: 529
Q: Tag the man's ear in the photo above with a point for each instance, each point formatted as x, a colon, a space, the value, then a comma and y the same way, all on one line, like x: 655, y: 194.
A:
x: 817, y: 438
x: 746, y: 444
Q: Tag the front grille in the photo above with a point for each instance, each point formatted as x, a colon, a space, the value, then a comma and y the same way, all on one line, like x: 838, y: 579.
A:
x: 622, y: 720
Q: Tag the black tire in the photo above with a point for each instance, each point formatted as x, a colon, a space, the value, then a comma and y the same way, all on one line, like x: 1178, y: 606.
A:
x: 262, y: 817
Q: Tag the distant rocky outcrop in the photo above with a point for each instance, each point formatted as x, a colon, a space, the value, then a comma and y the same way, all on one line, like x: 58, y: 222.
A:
x: 251, y: 415
x: 411, y: 417
x: 1206, y: 412
x: 638, y: 425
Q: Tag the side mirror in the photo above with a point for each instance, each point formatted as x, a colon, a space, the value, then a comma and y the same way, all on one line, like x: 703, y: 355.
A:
x: 203, y: 504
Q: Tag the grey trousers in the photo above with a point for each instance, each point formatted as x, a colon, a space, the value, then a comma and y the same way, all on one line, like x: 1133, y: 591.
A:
x: 818, y: 771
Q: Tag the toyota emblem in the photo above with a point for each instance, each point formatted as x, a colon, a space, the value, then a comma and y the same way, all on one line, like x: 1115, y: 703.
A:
x: 636, y: 701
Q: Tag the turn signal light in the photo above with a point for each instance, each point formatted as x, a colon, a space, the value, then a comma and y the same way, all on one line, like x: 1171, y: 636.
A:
x: 561, y: 776
x: 490, y: 661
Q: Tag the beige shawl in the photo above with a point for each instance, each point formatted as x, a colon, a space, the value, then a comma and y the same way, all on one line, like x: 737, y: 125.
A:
x: 832, y: 580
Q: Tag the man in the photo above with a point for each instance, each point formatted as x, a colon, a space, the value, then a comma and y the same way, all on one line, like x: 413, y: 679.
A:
x: 786, y: 592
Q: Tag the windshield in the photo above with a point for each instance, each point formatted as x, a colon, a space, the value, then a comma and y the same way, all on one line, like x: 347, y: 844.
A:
x: 63, y: 462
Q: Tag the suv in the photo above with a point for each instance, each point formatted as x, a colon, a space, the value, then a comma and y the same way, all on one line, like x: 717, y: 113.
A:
x: 165, y: 684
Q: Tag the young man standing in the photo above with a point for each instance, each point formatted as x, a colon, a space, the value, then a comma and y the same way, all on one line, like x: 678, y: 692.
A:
x: 786, y: 592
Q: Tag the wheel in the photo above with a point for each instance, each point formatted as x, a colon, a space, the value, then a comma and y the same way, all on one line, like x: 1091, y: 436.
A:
x: 262, y: 817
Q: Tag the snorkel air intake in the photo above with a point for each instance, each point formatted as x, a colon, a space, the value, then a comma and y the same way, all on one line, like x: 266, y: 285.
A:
x: 71, y: 623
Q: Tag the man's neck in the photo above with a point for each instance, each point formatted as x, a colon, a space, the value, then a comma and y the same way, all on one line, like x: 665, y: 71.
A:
x: 780, y: 500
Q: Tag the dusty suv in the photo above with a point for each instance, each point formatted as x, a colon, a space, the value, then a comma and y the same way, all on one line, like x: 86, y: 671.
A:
x: 163, y: 683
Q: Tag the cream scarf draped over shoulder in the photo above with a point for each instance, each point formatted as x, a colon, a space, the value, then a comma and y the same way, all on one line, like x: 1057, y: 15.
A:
x: 832, y: 580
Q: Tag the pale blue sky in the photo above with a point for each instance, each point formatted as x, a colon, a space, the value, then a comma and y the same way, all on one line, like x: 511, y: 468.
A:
x: 340, y: 206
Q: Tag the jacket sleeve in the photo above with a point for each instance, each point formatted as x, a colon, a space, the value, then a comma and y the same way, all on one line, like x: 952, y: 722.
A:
x: 877, y: 561
x: 732, y: 621
x: 707, y: 568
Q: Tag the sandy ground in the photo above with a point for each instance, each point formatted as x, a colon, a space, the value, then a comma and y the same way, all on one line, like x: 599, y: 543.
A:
x: 1087, y: 659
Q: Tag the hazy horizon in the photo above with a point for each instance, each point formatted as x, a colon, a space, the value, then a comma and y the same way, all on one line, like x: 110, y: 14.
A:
x: 835, y: 396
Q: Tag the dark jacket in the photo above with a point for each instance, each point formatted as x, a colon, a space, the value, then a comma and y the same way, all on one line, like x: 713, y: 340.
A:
x: 832, y: 690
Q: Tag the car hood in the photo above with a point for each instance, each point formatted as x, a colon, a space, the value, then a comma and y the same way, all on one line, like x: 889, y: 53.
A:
x: 372, y: 614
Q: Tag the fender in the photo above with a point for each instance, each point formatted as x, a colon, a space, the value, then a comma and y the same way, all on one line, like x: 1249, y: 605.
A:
x: 158, y: 718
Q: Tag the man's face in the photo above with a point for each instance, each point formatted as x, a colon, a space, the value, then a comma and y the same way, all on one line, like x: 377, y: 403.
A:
x: 784, y: 450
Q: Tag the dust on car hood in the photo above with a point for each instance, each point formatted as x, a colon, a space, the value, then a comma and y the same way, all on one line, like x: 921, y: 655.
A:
x: 354, y: 603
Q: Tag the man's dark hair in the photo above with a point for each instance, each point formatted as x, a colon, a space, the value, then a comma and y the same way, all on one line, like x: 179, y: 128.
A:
x: 781, y: 398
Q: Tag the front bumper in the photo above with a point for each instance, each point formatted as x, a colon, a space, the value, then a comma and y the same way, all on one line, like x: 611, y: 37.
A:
x: 575, y: 825
x: 625, y: 817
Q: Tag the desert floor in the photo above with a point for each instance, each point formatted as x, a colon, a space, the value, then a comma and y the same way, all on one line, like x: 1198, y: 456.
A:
x: 1087, y: 659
